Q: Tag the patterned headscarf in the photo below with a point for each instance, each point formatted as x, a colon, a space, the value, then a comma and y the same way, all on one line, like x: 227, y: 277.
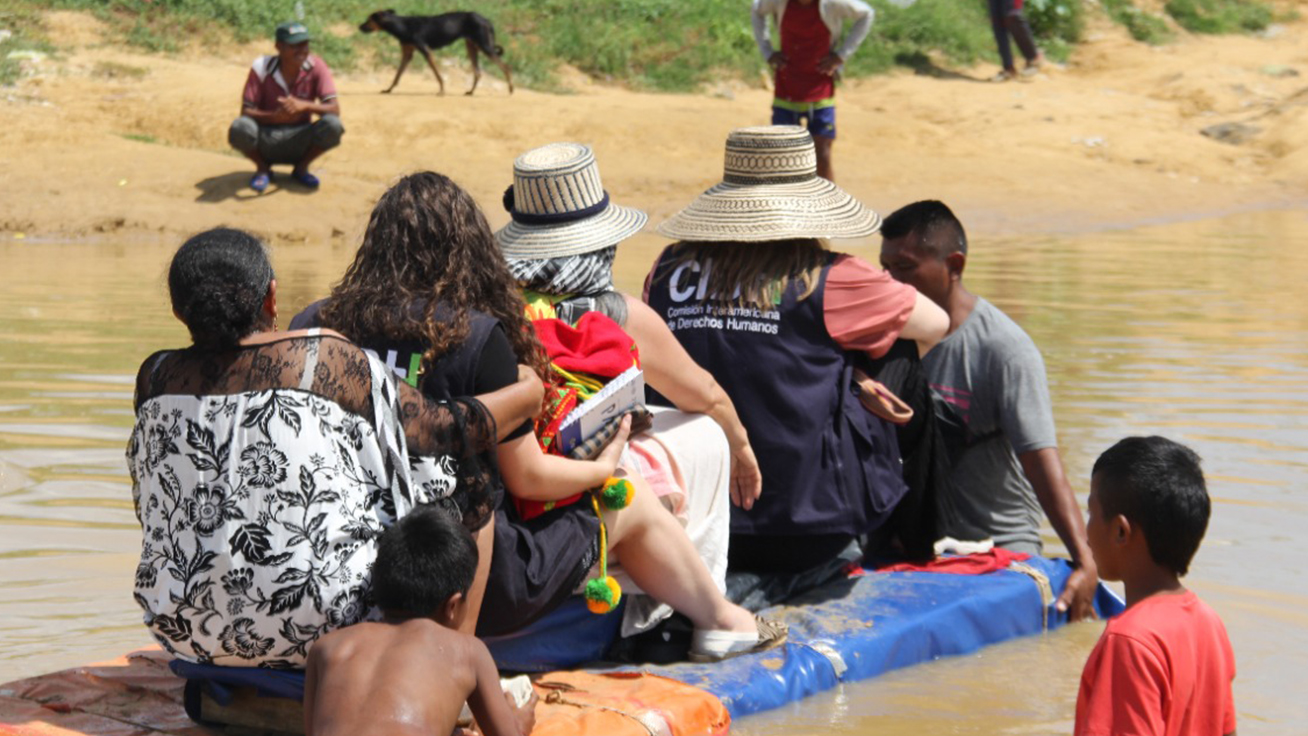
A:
x: 584, y: 279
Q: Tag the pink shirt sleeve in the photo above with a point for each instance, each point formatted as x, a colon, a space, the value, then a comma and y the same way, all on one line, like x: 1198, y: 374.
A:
x: 326, y: 84
x: 864, y: 308
x: 250, y: 96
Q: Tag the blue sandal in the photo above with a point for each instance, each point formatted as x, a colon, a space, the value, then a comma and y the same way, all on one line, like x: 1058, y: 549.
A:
x: 259, y: 181
x: 306, y: 179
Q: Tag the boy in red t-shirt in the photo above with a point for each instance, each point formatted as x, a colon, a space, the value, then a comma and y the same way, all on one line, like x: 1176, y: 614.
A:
x: 1165, y: 665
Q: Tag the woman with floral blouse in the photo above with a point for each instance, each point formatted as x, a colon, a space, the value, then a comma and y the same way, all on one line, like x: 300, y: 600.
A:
x: 264, y: 465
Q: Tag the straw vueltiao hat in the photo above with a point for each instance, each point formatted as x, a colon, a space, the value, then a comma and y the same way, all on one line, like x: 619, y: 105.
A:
x: 559, y: 206
x: 770, y: 190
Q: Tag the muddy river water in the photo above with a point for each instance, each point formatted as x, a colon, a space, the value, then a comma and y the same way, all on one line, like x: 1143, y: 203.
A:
x: 1198, y: 331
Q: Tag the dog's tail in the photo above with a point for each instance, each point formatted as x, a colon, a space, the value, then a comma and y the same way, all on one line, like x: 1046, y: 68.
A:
x: 485, y: 36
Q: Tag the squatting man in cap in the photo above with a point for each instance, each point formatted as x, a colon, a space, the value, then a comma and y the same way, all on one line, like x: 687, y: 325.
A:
x: 282, y: 94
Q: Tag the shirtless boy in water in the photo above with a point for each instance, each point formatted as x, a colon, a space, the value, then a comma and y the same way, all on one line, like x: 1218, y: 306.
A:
x: 410, y: 674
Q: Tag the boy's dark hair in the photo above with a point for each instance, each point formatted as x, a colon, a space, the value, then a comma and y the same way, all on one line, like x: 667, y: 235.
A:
x: 218, y: 281
x: 927, y: 218
x: 1157, y: 485
x: 422, y: 560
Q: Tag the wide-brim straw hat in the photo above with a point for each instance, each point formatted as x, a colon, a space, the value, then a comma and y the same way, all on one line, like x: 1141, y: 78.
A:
x: 559, y: 206
x: 770, y: 190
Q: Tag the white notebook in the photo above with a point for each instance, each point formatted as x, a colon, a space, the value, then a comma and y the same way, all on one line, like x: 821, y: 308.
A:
x: 626, y: 390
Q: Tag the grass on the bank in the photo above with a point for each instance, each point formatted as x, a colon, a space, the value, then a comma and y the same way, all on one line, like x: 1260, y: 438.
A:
x: 1220, y: 16
x: 1143, y: 26
x: 1196, y: 16
x: 651, y: 44
x: 19, y: 23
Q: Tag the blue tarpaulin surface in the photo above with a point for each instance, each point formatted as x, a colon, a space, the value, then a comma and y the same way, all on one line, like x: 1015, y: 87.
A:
x: 845, y: 631
x: 879, y: 622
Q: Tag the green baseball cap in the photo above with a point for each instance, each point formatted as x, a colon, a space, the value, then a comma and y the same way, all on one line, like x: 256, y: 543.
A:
x: 292, y: 33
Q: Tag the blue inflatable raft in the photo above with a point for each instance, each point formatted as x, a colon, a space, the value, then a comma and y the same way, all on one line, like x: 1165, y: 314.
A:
x: 848, y: 630
x: 845, y: 631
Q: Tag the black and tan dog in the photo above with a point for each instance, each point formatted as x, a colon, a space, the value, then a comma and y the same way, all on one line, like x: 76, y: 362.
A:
x: 427, y: 32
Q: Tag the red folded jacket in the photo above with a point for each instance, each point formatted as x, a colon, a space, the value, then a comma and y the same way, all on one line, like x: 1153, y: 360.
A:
x: 974, y: 564
x: 597, y: 345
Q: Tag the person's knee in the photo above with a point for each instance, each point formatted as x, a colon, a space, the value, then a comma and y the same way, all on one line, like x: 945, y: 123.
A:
x: 637, y: 516
x: 327, y: 132
x: 244, y: 134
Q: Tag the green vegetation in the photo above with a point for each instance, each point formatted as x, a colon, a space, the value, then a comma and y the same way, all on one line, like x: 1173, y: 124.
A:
x: 1142, y: 26
x: 1058, y: 24
x: 649, y: 44
x: 957, y: 32
x: 1220, y: 16
x: 1196, y: 16
x: 655, y: 44
x: 18, y: 42
x: 9, y: 68
x: 139, y: 137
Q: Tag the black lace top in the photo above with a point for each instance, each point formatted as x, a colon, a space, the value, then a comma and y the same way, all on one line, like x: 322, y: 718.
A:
x: 262, y: 476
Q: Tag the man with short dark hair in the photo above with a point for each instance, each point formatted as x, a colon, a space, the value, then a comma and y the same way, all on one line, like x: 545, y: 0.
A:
x: 282, y: 94
x: 993, y: 401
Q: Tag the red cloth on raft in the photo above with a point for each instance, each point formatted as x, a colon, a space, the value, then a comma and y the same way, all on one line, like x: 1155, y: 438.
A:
x: 974, y: 564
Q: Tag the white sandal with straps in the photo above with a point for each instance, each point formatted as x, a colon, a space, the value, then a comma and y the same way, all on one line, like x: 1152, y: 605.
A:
x: 713, y: 645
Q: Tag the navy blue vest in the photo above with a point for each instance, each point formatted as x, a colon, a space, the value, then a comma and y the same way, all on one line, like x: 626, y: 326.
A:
x: 829, y: 466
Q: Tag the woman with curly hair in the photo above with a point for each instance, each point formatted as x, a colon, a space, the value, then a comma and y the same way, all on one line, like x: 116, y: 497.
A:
x: 265, y: 464
x: 429, y: 291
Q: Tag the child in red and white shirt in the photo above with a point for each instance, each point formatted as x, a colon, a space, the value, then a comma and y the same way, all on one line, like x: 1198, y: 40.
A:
x: 814, y: 46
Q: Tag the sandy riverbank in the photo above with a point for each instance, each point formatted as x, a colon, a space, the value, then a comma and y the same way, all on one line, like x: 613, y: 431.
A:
x: 102, y: 139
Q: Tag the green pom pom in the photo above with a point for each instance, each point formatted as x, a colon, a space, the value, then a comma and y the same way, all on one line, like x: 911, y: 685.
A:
x: 602, y: 594
x: 617, y: 493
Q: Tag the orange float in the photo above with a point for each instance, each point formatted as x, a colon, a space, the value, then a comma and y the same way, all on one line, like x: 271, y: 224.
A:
x: 137, y: 695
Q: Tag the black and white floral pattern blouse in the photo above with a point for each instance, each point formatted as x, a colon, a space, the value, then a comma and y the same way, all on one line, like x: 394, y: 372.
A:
x: 262, y: 477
